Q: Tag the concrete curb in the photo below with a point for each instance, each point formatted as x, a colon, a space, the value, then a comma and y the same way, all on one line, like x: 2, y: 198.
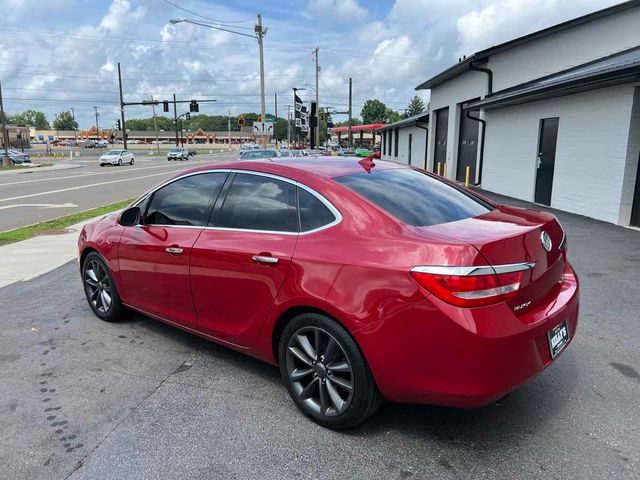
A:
x: 40, y: 169
x: 28, y: 259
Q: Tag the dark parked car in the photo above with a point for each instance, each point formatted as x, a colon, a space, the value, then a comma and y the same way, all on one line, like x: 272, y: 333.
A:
x: 363, y: 281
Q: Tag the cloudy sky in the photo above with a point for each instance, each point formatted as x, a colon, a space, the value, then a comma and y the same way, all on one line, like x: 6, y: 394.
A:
x: 58, y: 54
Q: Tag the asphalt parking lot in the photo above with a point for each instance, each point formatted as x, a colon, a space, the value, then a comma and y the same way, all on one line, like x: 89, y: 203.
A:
x: 80, y: 398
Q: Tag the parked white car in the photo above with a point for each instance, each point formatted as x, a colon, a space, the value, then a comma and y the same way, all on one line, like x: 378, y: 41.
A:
x: 117, y: 157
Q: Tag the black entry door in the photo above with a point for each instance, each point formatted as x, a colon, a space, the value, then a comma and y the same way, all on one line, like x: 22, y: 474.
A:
x: 467, y: 146
x: 546, y: 159
x: 442, y: 126
x: 410, y: 145
x: 635, y: 211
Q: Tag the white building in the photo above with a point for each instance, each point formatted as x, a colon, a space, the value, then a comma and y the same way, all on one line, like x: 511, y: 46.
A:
x: 406, y: 141
x: 552, y: 117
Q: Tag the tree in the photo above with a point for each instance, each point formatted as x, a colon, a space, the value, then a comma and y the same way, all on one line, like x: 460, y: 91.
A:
x: 345, y: 123
x: 416, y: 106
x: 65, y: 121
x: 31, y: 118
x: 393, y: 116
x: 373, y: 111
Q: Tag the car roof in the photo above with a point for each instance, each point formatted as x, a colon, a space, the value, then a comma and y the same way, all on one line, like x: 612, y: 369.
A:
x: 326, y: 166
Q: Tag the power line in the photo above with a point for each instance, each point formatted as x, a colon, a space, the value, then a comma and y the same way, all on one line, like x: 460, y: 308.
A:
x: 208, y: 18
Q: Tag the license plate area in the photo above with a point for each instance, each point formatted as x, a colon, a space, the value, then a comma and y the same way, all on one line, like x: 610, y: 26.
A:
x: 558, y: 338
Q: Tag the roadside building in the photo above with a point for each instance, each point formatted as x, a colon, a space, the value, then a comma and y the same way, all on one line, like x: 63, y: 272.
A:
x: 551, y: 117
x: 362, y: 135
x: 18, y: 137
x: 406, y: 141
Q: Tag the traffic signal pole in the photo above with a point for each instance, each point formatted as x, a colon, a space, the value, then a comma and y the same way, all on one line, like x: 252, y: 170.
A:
x: 175, y: 117
x: 122, y: 125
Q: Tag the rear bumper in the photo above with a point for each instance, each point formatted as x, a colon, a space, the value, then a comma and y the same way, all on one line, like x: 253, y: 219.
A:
x: 434, y: 353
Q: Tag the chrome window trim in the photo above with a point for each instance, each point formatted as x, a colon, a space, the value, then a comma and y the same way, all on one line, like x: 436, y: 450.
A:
x: 474, y: 270
x: 325, y: 202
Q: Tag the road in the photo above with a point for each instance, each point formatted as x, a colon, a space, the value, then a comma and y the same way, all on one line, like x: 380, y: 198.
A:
x: 33, y: 196
x: 84, y: 399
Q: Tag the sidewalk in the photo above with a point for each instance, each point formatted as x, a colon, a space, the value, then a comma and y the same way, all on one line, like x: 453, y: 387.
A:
x: 36, y: 256
x: 34, y: 169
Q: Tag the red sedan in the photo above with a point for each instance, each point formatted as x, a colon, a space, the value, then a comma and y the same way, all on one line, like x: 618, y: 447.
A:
x: 363, y: 281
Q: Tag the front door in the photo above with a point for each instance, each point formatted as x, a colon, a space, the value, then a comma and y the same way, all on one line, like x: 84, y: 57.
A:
x: 635, y: 211
x: 440, y: 152
x: 467, y: 146
x: 410, y: 145
x: 546, y: 160
x: 154, y: 257
x: 239, y: 264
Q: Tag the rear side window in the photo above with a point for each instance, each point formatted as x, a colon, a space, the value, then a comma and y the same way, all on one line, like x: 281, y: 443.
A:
x: 413, y: 197
x: 313, y: 213
x: 255, y: 202
x: 187, y: 201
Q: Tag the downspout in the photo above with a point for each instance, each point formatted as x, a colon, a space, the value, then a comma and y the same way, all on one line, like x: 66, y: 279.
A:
x: 483, y: 122
x: 426, y: 143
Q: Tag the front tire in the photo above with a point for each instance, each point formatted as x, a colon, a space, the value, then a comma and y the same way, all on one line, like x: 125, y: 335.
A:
x: 325, y: 372
x: 100, y: 289
x: 132, y: 161
x: 120, y: 162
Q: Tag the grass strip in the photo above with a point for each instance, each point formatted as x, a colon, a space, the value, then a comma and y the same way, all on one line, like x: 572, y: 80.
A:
x: 24, y: 233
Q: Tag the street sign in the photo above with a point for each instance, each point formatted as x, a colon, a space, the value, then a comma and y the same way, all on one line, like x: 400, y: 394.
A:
x: 263, y: 128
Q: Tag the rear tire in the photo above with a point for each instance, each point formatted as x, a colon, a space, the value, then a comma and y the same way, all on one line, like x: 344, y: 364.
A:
x: 325, y: 373
x: 99, y: 288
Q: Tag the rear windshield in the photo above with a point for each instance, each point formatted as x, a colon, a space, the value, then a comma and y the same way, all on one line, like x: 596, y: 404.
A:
x: 413, y: 197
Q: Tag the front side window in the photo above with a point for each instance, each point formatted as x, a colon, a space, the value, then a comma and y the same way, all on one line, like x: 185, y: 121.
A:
x: 255, y: 202
x: 414, y: 197
x: 313, y: 213
x: 186, y: 201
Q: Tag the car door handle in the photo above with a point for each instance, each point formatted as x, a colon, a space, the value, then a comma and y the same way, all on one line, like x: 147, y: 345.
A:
x: 264, y: 259
x: 174, y: 250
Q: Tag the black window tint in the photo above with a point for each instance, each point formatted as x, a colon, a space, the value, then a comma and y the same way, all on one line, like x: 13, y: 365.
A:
x: 186, y: 201
x: 414, y: 197
x: 313, y: 213
x: 255, y: 202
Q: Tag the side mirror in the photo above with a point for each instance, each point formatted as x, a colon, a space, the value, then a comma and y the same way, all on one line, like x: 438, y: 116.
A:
x: 376, y: 154
x: 130, y: 217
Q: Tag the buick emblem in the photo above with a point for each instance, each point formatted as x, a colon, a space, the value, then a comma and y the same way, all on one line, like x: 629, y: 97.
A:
x: 545, y: 239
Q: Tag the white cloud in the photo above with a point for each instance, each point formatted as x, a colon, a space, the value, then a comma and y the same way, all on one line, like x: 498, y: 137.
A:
x: 340, y: 10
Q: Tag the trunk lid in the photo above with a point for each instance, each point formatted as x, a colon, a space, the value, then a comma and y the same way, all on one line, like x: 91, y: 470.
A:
x: 508, y: 235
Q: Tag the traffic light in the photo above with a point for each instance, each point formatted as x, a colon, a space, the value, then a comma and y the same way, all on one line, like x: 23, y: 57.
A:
x: 259, y: 118
x: 187, y: 116
x: 193, y: 106
x: 165, y: 106
x: 118, y: 125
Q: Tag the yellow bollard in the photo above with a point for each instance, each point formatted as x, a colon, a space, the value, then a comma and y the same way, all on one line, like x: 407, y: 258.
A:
x: 466, y: 176
x: 438, y: 168
x: 445, y: 169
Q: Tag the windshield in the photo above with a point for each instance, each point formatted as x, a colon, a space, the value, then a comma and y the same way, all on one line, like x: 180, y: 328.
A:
x: 175, y: 150
x: 414, y: 197
x: 260, y: 154
x: 113, y: 152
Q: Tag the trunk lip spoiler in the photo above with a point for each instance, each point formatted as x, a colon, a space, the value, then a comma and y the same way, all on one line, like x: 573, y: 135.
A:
x: 474, y: 270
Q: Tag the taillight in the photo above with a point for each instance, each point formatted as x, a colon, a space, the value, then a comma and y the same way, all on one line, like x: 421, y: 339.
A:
x: 473, y: 286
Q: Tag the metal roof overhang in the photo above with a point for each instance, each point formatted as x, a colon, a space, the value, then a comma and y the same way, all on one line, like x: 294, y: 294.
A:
x: 528, y: 94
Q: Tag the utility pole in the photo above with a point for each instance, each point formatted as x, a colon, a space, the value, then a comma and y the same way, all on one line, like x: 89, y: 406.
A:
x: 155, y: 125
x: 289, y: 126
x: 6, y: 161
x: 175, y: 118
x: 317, y: 131
x: 124, y: 129
x: 95, y: 109
x: 229, y: 129
x: 350, y: 113
x: 260, y: 33
x: 275, y: 121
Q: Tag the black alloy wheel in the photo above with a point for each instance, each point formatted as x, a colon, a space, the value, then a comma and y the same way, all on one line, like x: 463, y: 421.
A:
x: 325, y: 372
x: 99, y: 288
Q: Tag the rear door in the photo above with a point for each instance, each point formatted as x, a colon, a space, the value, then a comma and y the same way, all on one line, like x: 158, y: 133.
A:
x: 154, y: 256
x: 239, y: 263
